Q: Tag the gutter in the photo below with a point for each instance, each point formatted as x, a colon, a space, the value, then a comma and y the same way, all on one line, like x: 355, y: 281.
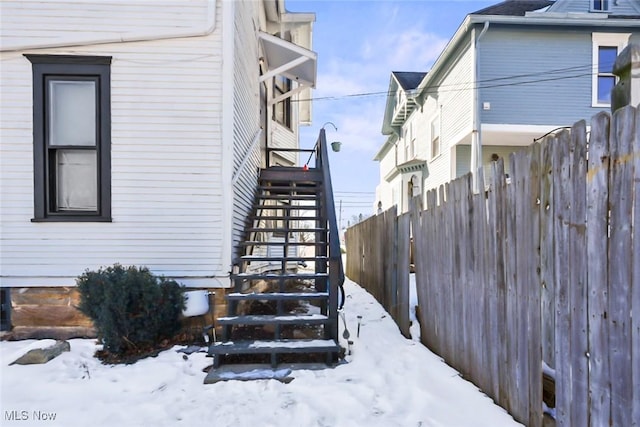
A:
x: 207, y: 28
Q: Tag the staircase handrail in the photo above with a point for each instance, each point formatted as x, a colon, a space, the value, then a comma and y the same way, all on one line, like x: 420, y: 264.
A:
x: 336, y: 270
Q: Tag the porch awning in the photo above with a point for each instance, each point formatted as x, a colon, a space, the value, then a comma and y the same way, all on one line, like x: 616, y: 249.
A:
x: 290, y: 60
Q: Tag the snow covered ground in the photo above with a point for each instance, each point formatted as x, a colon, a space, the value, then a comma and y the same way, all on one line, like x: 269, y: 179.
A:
x: 388, y: 381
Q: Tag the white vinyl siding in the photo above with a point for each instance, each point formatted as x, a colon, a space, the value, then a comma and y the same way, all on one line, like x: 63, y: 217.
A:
x: 167, y: 154
x: 246, y: 114
x: 455, y: 95
x: 37, y: 23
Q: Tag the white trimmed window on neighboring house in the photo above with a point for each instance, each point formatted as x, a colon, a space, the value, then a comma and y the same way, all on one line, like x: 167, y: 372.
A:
x: 411, y: 142
x: 601, y: 5
x: 435, y: 137
x: 72, y: 137
x: 606, y: 47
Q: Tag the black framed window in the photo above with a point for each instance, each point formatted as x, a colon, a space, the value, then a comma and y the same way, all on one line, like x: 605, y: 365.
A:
x: 72, y: 137
x: 5, y: 309
x: 282, y: 109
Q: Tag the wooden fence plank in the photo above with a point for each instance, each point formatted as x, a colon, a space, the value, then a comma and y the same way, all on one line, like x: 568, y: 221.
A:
x: 463, y: 284
x: 597, y: 269
x: 563, y: 314
x: 403, y: 274
x: 437, y: 274
x: 533, y: 288
x: 479, y: 320
x: 432, y: 291
x: 512, y: 313
x: 447, y: 273
x: 501, y: 284
x: 577, y: 278
x: 635, y: 284
x: 524, y: 256
x: 492, y: 343
x: 621, y: 205
x: 547, y: 253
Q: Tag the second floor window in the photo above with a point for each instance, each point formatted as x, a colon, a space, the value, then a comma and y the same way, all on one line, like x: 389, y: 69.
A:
x: 435, y: 137
x: 600, y: 5
x: 606, y: 47
x: 282, y: 109
x: 606, y: 79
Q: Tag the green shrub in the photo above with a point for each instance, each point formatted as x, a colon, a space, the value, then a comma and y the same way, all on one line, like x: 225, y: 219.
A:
x: 132, y: 310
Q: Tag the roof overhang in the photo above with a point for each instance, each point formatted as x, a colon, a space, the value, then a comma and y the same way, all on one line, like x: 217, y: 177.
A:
x: 287, y: 59
x: 411, y: 166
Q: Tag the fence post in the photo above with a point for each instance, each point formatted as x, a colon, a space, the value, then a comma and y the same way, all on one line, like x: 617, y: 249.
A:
x: 627, y: 67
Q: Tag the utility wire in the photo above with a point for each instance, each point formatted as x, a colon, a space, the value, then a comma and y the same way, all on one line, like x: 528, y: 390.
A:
x: 483, y: 84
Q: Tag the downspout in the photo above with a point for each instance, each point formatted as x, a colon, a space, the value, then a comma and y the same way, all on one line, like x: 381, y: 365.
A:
x: 476, y: 135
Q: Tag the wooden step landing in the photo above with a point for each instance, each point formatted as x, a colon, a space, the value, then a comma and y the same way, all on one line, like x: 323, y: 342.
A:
x: 284, y: 175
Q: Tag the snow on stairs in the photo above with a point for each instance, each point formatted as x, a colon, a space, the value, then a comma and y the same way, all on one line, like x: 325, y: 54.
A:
x: 286, y: 197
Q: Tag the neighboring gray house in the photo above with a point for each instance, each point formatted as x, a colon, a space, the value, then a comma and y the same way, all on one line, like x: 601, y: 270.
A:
x: 511, y: 73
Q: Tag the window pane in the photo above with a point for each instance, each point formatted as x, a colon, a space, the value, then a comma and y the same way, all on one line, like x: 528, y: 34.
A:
x: 76, y: 175
x: 72, y: 112
x: 606, y: 58
x: 605, y: 85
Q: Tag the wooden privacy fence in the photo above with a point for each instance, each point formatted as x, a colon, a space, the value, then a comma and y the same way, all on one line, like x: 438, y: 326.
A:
x: 541, y: 269
x: 378, y: 258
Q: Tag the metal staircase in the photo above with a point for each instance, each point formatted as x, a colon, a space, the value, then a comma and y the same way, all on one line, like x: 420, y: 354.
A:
x: 284, y: 306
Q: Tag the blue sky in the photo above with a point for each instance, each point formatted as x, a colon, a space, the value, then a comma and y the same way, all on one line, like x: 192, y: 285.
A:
x: 359, y: 43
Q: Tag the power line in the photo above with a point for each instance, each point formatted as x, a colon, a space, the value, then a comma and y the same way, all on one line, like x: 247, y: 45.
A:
x: 480, y: 84
x: 355, y: 192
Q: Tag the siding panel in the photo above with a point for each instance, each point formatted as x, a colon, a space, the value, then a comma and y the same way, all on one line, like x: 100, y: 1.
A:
x: 519, y: 68
x: 246, y: 109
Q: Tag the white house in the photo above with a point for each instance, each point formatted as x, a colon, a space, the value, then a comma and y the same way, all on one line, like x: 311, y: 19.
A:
x: 511, y: 73
x: 132, y: 133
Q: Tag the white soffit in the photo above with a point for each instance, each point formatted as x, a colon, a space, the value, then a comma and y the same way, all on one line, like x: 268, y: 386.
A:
x: 288, y: 59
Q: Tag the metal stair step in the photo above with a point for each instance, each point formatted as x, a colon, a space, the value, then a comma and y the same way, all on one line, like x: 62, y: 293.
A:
x: 290, y: 230
x: 258, y: 258
x: 256, y: 243
x: 278, y: 296
x: 307, y: 319
x: 298, y: 188
x: 290, y: 218
x: 297, y: 175
x: 289, y: 207
x: 311, y: 197
x: 272, y: 276
x: 273, y: 346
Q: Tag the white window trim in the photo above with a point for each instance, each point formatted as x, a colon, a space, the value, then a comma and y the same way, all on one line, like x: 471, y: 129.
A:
x: 603, y: 39
x: 593, y: 9
x: 438, y: 125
